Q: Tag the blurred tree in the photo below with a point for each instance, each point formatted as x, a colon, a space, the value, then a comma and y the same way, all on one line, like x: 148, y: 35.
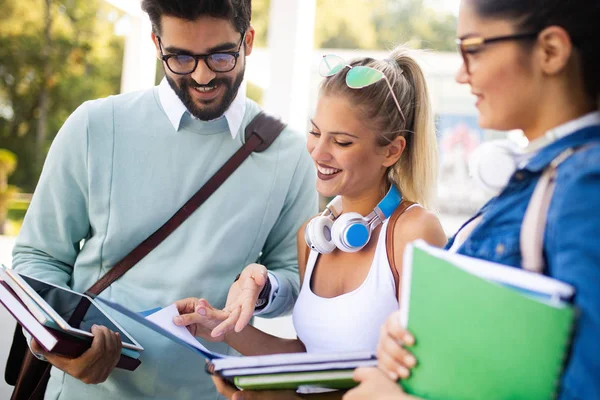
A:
x: 260, y: 21
x: 411, y: 22
x: 54, y: 55
x: 8, y: 164
x: 371, y: 24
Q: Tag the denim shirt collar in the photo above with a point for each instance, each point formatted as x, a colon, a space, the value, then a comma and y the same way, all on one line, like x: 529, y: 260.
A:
x: 587, y: 130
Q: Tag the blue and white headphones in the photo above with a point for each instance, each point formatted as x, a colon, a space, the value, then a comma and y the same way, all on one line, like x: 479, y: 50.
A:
x: 348, y: 232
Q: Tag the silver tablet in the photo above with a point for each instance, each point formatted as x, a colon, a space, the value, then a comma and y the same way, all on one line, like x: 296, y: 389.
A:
x: 59, y: 303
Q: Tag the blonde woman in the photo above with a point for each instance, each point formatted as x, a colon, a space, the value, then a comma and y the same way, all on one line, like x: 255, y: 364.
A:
x: 373, y: 142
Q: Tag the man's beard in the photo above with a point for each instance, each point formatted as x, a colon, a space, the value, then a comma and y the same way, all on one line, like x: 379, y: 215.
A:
x: 208, y: 112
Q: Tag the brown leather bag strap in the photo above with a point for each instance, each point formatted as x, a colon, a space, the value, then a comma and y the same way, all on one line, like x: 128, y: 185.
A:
x: 259, y: 134
x: 389, y: 241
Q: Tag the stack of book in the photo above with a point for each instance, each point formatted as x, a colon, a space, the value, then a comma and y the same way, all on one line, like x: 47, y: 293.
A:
x: 53, y: 333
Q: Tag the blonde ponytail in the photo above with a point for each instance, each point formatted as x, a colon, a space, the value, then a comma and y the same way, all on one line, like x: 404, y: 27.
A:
x: 415, y: 174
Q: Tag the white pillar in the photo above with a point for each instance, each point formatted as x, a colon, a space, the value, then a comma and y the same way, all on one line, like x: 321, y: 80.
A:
x: 290, y: 42
x: 139, y: 60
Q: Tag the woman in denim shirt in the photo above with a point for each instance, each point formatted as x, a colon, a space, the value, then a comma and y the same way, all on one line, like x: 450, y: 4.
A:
x: 533, y: 65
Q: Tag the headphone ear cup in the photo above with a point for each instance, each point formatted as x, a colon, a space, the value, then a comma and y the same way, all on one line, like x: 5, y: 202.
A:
x: 493, y: 163
x: 318, y: 235
x: 350, y: 233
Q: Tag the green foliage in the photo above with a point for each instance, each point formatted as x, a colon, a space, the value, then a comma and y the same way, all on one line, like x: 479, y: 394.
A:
x: 371, y: 24
x: 79, y: 60
x: 8, y: 164
x: 17, y: 209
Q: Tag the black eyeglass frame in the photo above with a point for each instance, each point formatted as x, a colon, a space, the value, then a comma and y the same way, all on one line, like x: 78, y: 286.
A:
x: 198, y: 57
x: 470, y: 45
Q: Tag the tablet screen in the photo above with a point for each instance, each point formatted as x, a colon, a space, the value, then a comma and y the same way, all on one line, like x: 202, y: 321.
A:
x: 65, y: 302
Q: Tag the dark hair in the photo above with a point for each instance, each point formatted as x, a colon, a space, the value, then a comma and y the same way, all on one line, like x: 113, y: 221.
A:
x: 239, y: 12
x: 578, y: 17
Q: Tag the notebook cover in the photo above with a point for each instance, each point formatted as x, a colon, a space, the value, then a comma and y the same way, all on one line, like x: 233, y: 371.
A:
x: 480, y: 340
x: 336, y: 379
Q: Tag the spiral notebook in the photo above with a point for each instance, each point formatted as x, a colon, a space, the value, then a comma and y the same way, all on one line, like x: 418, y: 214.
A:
x: 483, y: 330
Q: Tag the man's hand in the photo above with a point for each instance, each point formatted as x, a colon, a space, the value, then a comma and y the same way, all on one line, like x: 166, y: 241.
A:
x: 200, y: 318
x: 375, y: 384
x: 241, y: 299
x: 95, y: 365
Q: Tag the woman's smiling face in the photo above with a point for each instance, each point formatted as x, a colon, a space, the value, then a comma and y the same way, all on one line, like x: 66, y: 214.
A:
x: 344, y: 149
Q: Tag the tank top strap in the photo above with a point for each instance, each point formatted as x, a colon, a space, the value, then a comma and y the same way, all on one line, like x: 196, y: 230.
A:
x: 313, y: 256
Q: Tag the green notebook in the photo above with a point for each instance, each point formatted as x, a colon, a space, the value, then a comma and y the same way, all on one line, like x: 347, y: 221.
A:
x: 502, y: 336
x: 341, y: 379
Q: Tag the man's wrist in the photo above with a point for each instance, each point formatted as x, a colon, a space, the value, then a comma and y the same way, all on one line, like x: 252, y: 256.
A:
x: 271, y: 295
x: 263, y: 296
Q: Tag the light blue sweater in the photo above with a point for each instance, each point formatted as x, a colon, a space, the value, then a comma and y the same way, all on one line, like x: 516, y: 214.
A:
x: 117, y: 171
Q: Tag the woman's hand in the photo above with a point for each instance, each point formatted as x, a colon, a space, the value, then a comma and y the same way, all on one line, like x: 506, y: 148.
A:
x: 393, y: 358
x: 95, y: 364
x: 200, y: 318
x: 375, y: 384
x: 233, y: 393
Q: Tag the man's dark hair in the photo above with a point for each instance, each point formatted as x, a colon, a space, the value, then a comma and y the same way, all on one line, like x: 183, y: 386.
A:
x: 237, y: 11
x: 578, y: 17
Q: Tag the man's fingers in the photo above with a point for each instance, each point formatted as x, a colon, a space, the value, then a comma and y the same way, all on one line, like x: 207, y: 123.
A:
x: 36, y: 347
x: 246, y: 312
x: 99, y: 344
x: 257, y: 272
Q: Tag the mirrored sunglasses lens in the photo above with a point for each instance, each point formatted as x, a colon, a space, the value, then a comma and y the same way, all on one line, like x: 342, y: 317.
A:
x: 331, y: 65
x: 359, y: 77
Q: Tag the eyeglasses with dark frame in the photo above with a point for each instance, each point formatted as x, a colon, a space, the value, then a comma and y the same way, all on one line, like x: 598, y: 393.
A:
x: 472, y: 45
x: 184, y: 64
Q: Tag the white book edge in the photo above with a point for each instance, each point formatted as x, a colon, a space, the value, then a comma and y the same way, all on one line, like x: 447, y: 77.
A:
x: 28, y: 321
x: 407, y: 260
x: 500, y: 273
x: 31, y: 305
x: 271, y: 360
x: 297, y: 368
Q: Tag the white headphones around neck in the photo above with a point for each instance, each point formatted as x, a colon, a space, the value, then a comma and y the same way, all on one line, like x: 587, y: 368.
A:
x: 348, y: 232
x: 493, y: 163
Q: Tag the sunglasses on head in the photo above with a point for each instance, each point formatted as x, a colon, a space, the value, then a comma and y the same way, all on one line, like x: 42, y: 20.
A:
x: 357, y: 77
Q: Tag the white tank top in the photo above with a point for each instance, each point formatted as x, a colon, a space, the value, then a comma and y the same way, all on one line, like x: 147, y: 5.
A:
x: 351, y: 321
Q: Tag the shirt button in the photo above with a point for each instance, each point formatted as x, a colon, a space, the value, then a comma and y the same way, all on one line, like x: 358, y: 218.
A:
x: 519, y: 176
x: 500, y: 249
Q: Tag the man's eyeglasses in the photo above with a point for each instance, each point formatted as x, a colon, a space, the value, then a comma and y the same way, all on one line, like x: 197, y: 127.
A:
x: 183, y: 64
x: 357, y: 77
x: 472, y: 45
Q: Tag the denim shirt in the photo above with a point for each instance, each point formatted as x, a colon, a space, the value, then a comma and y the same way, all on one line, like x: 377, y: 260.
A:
x: 571, y: 244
